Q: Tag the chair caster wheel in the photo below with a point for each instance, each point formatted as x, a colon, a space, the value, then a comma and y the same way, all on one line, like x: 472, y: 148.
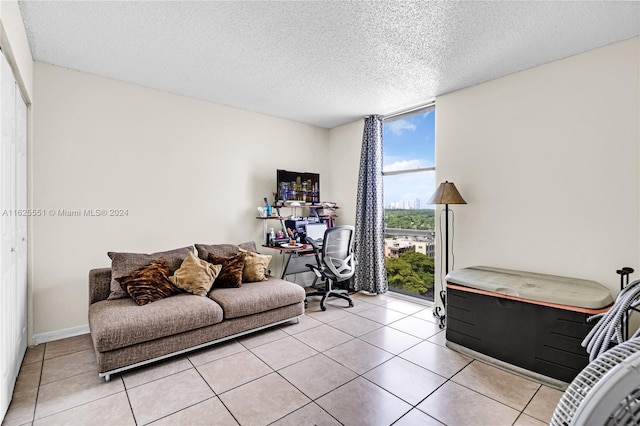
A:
x: 351, y: 304
x: 324, y: 308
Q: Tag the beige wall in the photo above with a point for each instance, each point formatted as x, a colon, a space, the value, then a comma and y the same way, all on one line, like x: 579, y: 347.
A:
x: 187, y: 171
x: 547, y: 160
x: 345, y: 144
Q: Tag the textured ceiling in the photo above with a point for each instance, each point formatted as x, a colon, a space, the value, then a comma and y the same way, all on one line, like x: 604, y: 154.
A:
x: 323, y: 63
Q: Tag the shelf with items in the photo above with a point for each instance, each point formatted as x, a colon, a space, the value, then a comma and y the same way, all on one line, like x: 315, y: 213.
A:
x: 317, y: 212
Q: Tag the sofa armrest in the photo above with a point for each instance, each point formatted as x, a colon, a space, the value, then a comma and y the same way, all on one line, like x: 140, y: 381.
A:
x: 99, y: 284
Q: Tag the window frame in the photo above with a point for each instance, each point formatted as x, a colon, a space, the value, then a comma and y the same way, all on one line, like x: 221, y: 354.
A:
x: 399, y: 116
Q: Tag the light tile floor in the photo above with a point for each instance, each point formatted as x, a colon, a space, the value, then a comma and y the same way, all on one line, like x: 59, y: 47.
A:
x: 382, y: 362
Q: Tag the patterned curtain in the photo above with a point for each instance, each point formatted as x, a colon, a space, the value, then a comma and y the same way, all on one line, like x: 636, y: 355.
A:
x: 371, y: 274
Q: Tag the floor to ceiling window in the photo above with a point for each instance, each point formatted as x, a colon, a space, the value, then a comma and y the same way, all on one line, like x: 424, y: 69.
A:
x: 409, y: 181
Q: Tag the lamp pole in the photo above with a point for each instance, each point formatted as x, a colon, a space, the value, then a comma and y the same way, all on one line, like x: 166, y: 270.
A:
x: 443, y: 294
x: 446, y: 194
x: 446, y: 239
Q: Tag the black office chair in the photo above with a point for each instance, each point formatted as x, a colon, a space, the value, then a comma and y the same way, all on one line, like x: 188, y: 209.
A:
x: 335, y: 263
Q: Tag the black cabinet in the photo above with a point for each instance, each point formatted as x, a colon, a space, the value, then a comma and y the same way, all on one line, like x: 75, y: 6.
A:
x: 542, y: 339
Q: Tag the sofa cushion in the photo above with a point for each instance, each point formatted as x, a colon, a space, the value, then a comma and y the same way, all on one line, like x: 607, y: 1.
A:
x: 149, y: 283
x: 255, y: 266
x: 119, y: 323
x: 257, y: 297
x: 231, y: 274
x: 195, y: 275
x: 124, y: 263
x: 223, y: 250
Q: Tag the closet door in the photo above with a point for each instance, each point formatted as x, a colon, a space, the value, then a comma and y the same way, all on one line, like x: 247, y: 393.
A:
x: 21, y: 227
x: 13, y: 300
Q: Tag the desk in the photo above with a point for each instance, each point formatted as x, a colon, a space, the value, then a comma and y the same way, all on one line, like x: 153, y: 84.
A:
x: 297, y: 259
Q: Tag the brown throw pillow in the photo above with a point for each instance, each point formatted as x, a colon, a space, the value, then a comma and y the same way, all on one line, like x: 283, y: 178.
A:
x: 124, y: 263
x: 195, y: 275
x: 149, y: 283
x: 223, y: 250
x: 255, y: 266
x: 231, y: 274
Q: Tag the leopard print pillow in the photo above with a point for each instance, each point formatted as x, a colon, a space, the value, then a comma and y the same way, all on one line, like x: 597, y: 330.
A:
x: 231, y: 274
x: 149, y: 283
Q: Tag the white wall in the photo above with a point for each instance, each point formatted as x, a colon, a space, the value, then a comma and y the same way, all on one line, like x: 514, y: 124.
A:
x: 187, y: 171
x: 547, y: 160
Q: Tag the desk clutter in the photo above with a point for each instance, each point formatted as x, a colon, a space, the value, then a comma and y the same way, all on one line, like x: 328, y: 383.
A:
x: 296, y: 232
x: 319, y: 218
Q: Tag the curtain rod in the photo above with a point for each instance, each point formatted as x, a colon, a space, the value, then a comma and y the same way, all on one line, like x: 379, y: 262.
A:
x: 411, y: 109
x: 406, y: 111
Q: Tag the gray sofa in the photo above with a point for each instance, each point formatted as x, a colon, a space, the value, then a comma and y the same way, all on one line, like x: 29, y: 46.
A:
x: 126, y: 335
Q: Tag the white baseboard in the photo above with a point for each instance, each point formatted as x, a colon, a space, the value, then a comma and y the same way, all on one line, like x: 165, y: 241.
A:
x: 50, y: 336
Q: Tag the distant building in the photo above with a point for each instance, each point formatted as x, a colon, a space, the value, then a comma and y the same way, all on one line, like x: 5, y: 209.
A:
x: 405, y: 205
x: 394, y: 247
x: 425, y: 247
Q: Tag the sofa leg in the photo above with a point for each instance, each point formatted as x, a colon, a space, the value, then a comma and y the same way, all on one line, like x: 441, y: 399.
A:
x: 107, y: 378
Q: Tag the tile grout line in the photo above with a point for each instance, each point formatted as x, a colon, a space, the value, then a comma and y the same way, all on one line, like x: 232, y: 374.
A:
x: 126, y: 392
x: 358, y: 375
x: 67, y: 409
x: 352, y: 337
x: 313, y: 400
x: 216, y: 395
x: 35, y: 404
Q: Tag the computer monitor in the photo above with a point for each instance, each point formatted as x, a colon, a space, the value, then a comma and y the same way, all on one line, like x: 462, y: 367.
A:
x: 315, y: 231
x: 298, y: 186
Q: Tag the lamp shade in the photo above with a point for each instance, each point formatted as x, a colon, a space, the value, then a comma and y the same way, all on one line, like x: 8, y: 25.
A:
x: 446, y: 194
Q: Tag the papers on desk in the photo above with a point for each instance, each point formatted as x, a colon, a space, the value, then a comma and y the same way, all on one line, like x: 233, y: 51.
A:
x: 292, y: 246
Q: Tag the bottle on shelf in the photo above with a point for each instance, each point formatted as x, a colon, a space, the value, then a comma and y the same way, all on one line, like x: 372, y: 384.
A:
x: 272, y: 237
x: 267, y: 207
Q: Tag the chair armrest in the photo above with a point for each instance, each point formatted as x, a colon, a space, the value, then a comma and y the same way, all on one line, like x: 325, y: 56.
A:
x: 315, y: 269
x: 316, y: 249
x: 313, y: 243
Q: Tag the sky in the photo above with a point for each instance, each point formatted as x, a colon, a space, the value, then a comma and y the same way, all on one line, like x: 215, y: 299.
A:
x: 409, y: 143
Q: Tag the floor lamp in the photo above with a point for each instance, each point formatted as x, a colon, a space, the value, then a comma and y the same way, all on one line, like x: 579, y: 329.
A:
x: 445, y: 194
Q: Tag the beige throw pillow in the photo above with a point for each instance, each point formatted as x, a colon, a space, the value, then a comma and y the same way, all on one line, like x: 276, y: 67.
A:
x: 255, y: 266
x: 195, y: 275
